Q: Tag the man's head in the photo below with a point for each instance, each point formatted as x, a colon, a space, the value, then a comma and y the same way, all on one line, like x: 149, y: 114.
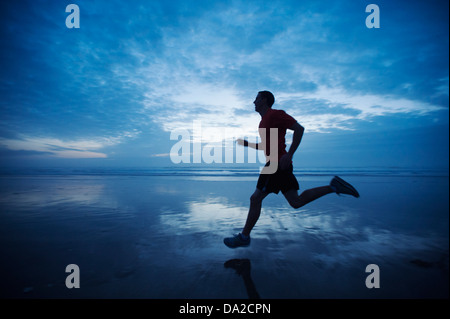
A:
x: 264, y: 99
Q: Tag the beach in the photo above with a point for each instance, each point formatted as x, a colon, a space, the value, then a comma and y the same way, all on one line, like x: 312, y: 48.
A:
x: 159, y: 234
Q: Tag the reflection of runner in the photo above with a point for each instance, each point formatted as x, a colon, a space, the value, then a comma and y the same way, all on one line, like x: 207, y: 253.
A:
x: 242, y: 267
x: 283, y: 179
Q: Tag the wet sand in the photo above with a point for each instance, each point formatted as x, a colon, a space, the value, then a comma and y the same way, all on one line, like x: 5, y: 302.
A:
x: 162, y: 237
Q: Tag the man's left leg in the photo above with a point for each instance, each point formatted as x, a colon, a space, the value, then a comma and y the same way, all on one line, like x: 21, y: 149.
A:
x: 337, y: 185
x: 307, y: 196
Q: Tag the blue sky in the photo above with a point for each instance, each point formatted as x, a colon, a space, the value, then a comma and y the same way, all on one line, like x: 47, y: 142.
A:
x: 111, y: 92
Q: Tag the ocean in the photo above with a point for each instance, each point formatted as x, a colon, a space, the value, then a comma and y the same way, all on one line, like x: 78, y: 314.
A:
x: 158, y: 233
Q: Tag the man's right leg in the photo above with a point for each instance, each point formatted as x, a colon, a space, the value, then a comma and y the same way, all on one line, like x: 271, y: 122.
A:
x: 254, y: 211
x: 243, y: 239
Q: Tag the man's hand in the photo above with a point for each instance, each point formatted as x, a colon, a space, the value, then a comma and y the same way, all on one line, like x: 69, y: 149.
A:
x: 240, y: 141
x: 247, y: 143
x: 285, y: 161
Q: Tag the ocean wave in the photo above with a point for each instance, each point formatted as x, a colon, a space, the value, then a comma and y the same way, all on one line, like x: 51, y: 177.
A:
x: 223, y: 171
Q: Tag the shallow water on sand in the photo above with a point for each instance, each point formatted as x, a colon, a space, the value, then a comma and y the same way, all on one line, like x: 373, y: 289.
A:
x: 162, y: 237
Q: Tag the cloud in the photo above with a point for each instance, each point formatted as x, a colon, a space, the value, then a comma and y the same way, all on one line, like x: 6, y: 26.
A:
x: 54, y: 147
x: 353, y: 107
x: 213, y: 104
x: 210, y: 70
x: 160, y: 66
x: 443, y: 88
x: 160, y: 155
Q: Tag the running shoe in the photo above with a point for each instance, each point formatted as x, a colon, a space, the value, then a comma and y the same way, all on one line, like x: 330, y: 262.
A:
x: 236, y: 241
x: 342, y: 187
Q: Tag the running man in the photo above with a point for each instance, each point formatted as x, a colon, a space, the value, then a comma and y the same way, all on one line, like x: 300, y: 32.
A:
x: 283, y: 179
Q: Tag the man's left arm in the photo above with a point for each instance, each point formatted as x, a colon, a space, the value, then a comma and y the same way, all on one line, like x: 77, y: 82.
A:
x: 286, y: 160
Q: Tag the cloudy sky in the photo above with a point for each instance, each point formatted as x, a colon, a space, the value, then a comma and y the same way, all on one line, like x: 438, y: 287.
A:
x: 112, y: 91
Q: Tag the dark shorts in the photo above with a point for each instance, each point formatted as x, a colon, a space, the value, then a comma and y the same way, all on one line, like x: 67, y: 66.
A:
x: 281, y: 180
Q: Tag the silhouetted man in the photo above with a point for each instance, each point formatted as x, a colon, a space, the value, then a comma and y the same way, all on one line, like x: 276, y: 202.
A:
x: 282, y: 178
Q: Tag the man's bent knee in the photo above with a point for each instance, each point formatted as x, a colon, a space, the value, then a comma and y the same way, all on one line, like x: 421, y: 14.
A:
x: 293, y: 199
x: 296, y: 204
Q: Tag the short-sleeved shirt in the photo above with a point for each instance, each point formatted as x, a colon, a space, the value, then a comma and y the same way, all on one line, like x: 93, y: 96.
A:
x: 280, y: 120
